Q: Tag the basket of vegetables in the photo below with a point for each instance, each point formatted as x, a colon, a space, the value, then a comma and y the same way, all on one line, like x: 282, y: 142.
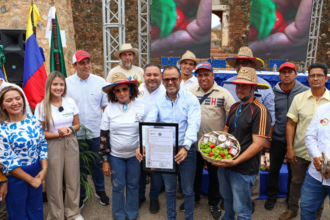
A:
x: 217, y: 145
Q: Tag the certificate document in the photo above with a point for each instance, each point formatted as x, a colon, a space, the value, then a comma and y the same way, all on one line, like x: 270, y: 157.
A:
x: 159, y: 148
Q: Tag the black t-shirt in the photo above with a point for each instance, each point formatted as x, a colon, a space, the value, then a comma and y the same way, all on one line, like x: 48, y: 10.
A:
x: 253, y: 121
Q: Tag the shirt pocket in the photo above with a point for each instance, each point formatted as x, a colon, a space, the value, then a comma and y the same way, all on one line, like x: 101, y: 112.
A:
x: 95, y: 98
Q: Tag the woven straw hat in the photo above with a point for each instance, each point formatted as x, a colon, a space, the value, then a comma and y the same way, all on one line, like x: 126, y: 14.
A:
x: 117, y: 79
x: 248, y: 76
x: 126, y: 48
x: 245, y: 53
x: 188, y: 55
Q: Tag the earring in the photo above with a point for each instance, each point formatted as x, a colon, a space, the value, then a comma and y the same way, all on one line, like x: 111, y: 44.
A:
x: 116, y: 98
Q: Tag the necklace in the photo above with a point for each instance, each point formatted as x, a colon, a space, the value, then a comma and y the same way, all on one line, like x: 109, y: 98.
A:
x: 239, y: 111
x: 125, y: 107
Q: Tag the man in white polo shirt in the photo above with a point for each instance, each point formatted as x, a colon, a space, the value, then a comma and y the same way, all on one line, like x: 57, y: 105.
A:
x: 84, y: 88
x: 149, y: 91
x: 188, y: 63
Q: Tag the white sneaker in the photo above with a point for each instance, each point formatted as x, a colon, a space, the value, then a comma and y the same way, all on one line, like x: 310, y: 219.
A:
x: 79, y: 218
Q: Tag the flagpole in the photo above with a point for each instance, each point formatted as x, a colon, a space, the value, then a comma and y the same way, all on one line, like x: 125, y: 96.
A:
x: 34, y: 28
x: 55, y: 40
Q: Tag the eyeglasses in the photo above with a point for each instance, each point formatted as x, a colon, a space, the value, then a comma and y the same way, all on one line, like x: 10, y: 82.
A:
x: 174, y: 80
x: 243, y: 63
x: 317, y: 76
x: 120, y: 90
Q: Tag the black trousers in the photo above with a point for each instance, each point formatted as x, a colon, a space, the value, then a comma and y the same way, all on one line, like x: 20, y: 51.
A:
x: 213, y: 190
x: 277, y: 155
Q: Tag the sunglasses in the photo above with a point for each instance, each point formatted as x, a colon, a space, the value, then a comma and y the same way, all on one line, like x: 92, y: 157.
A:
x: 120, y: 90
x: 243, y: 63
x: 174, y: 80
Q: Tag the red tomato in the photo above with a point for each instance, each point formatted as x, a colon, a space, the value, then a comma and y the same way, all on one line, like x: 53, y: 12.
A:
x: 212, y: 146
x: 211, y: 154
x: 222, y: 154
x: 181, y: 21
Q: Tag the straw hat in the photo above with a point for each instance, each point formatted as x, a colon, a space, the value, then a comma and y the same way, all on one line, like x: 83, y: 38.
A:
x: 188, y: 55
x: 126, y: 48
x: 248, y: 76
x: 245, y: 53
x: 117, y: 79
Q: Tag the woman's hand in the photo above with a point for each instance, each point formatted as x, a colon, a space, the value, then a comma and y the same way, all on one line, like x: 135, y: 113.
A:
x: 138, y: 155
x: 42, y: 174
x: 63, y: 131
x: 35, y: 182
x: 106, y: 168
x: 3, y: 191
x: 68, y: 133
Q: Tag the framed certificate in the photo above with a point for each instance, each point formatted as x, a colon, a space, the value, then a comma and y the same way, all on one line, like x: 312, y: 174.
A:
x: 159, y: 143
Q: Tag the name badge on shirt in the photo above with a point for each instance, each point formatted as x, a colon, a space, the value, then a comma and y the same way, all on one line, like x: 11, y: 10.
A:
x: 138, y: 118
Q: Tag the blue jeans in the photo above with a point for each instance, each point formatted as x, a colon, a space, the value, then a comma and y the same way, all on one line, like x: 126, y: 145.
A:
x: 235, y: 189
x: 24, y: 201
x: 187, y: 172
x: 155, y: 185
x: 125, y: 172
x: 96, y: 167
x: 312, y: 197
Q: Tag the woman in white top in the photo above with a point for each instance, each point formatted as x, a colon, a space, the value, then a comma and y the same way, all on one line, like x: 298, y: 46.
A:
x: 58, y: 116
x: 120, y: 123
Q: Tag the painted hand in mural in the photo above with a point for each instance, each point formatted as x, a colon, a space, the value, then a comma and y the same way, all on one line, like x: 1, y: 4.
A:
x: 292, y: 43
x: 195, y: 35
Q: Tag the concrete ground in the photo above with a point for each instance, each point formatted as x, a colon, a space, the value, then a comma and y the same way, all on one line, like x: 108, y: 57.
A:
x: 94, y: 211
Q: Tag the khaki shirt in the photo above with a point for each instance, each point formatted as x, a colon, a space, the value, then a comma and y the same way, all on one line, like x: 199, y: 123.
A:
x: 302, y: 110
x: 136, y: 73
x: 214, y: 108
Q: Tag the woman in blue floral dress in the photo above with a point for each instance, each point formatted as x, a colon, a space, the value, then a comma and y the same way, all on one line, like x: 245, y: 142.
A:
x: 23, y: 154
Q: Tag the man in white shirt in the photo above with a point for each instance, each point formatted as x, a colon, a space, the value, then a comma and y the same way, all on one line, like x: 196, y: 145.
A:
x: 4, y: 84
x: 126, y: 55
x: 188, y: 63
x: 149, y: 91
x: 85, y: 89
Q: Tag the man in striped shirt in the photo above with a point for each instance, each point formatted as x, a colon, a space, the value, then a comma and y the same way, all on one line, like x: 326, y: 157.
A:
x: 249, y: 121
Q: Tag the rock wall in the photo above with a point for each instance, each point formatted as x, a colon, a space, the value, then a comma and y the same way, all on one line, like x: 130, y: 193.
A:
x: 14, y: 15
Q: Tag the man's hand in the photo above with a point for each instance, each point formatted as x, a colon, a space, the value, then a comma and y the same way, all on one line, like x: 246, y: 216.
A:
x: 225, y: 163
x: 318, y: 161
x: 266, y: 146
x: 138, y: 154
x: 106, y: 168
x: 291, y: 156
x: 3, y: 191
x: 181, y: 155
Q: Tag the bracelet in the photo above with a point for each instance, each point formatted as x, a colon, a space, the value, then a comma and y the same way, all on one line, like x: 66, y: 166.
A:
x: 6, y: 181
x: 44, y: 168
x: 74, y: 132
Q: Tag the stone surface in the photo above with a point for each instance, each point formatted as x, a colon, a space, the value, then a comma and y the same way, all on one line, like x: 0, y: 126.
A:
x: 14, y: 14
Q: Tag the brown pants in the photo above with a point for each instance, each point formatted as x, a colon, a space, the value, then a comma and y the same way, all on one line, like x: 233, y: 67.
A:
x: 3, y: 211
x: 299, y: 170
x: 63, y: 162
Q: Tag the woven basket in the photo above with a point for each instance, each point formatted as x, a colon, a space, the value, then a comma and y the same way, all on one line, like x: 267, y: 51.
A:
x: 212, y: 160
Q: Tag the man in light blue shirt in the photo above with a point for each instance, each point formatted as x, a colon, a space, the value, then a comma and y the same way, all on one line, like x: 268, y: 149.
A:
x: 182, y: 107
x: 266, y: 97
x: 85, y: 89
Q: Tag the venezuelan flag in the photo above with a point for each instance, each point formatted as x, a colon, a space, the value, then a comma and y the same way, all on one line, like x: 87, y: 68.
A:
x: 35, y: 75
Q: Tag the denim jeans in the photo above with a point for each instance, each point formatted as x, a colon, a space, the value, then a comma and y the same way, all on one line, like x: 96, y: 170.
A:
x: 125, y: 172
x: 23, y: 200
x: 155, y: 185
x: 97, y: 173
x: 187, y: 172
x: 235, y: 188
x: 312, y: 197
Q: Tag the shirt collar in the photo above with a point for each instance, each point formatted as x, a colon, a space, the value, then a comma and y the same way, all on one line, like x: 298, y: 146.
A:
x: 81, y: 80
x: 326, y: 94
x: 214, y: 87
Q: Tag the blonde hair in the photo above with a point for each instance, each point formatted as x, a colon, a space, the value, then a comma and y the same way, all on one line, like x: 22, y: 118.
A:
x: 46, y: 101
x: 3, y: 113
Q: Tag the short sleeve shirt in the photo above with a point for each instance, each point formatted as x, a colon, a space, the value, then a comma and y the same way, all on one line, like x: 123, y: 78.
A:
x: 136, y: 73
x: 214, y: 108
x: 61, y: 118
x: 302, y: 110
x: 123, y: 127
x: 253, y: 121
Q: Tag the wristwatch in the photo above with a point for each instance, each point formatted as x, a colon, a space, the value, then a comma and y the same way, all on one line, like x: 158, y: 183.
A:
x: 186, y: 147
x: 269, y: 139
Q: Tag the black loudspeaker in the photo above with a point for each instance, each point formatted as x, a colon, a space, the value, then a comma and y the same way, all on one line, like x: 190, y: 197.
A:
x: 13, y: 42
